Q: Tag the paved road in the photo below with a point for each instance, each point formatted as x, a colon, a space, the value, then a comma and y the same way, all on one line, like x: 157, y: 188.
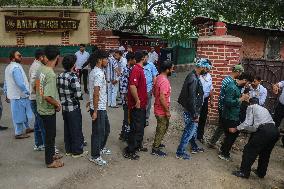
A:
x: 21, y: 167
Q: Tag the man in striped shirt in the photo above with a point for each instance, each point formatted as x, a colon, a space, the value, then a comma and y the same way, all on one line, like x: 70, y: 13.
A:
x: 225, y: 82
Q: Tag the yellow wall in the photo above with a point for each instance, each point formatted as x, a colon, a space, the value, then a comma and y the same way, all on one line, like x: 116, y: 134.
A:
x: 48, y: 38
x: 82, y: 35
x: 6, y: 38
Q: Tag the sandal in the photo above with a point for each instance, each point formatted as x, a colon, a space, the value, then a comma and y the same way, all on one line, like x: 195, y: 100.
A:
x: 22, y: 136
x: 57, y: 156
x: 55, y: 164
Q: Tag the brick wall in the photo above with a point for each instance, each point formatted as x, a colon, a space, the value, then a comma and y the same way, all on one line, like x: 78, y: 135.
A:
x: 224, y: 52
x: 93, y: 28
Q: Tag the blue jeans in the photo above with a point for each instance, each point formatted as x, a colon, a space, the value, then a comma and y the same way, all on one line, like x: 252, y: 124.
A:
x: 39, y: 131
x: 189, y: 134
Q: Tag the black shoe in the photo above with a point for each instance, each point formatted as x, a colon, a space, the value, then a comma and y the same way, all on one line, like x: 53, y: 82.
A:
x: 132, y: 156
x: 85, y: 143
x: 239, y: 174
x: 2, y: 128
x: 142, y: 149
x: 158, y: 153
x: 162, y: 146
x: 256, y: 173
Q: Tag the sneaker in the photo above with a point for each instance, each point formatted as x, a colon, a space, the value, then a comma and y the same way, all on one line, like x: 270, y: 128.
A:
x: 105, y: 151
x: 226, y: 158
x: 99, y: 161
x: 213, y: 146
x: 38, y: 148
x: 183, y: 156
x: 132, y: 156
x: 85, y: 143
x: 256, y: 173
x: 142, y: 149
x: 198, y: 150
x: 158, y: 153
x: 56, y: 150
x: 162, y: 146
x: 68, y: 154
x: 2, y: 128
x: 42, y: 147
x: 240, y: 174
x: 80, y: 155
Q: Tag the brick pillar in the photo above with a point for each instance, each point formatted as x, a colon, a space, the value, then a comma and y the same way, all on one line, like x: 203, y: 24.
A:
x: 112, y: 42
x: 93, y: 28
x: 65, y: 36
x: 224, y: 52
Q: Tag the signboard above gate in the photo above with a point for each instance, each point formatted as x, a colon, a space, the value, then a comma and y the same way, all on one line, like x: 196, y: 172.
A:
x: 40, y: 24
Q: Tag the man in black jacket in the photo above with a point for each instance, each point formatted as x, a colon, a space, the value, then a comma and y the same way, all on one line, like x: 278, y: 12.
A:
x: 191, y: 98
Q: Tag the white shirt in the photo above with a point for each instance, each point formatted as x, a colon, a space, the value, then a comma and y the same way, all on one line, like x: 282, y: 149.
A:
x: 206, y: 81
x: 122, y: 63
x: 256, y: 115
x: 260, y: 92
x: 33, y: 73
x: 281, y: 98
x: 153, y: 57
x: 97, y: 79
x: 110, y: 70
x: 81, y: 59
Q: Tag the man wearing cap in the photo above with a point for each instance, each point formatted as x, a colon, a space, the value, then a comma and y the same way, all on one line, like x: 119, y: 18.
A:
x: 206, y: 81
x: 229, y: 110
x: 191, y: 98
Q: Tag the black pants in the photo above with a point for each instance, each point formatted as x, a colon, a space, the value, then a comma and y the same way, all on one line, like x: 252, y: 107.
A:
x: 202, y: 119
x: 100, y: 132
x: 230, y: 138
x: 137, y: 124
x: 278, y: 116
x: 49, y: 123
x: 243, y: 111
x: 260, y: 144
x: 73, y: 135
x: 125, y: 124
x: 84, y: 72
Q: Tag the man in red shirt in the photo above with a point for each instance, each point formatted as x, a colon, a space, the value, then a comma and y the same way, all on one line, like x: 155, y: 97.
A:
x: 137, y: 102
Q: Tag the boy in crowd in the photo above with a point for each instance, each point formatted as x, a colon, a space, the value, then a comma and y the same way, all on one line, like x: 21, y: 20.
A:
x: 262, y: 140
x: 39, y: 132
x: 48, y: 104
x: 162, y: 94
x: 137, y: 103
x: 123, y: 90
x: 98, y: 103
x: 69, y: 90
x: 151, y: 73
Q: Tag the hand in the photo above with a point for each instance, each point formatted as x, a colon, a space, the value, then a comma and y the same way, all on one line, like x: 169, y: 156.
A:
x: 245, y: 97
x: 7, y: 100
x: 114, y: 82
x: 58, y: 108
x: 137, y: 105
x: 211, y: 103
x: 94, y: 116
x: 88, y: 106
x: 233, y: 130
x: 275, y: 89
x: 196, y: 119
x: 168, y: 114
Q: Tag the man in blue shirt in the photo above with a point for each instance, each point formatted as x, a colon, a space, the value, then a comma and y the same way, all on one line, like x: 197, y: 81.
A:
x: 151, y: 73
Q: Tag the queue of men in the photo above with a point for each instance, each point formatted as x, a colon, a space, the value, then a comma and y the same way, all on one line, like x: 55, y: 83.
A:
x: 136, y: 79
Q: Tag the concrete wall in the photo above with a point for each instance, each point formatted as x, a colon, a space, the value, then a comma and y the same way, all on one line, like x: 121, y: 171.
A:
x: 6, y: 38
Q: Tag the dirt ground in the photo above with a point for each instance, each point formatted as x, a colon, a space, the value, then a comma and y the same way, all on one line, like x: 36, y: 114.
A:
x: 21, y: 167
